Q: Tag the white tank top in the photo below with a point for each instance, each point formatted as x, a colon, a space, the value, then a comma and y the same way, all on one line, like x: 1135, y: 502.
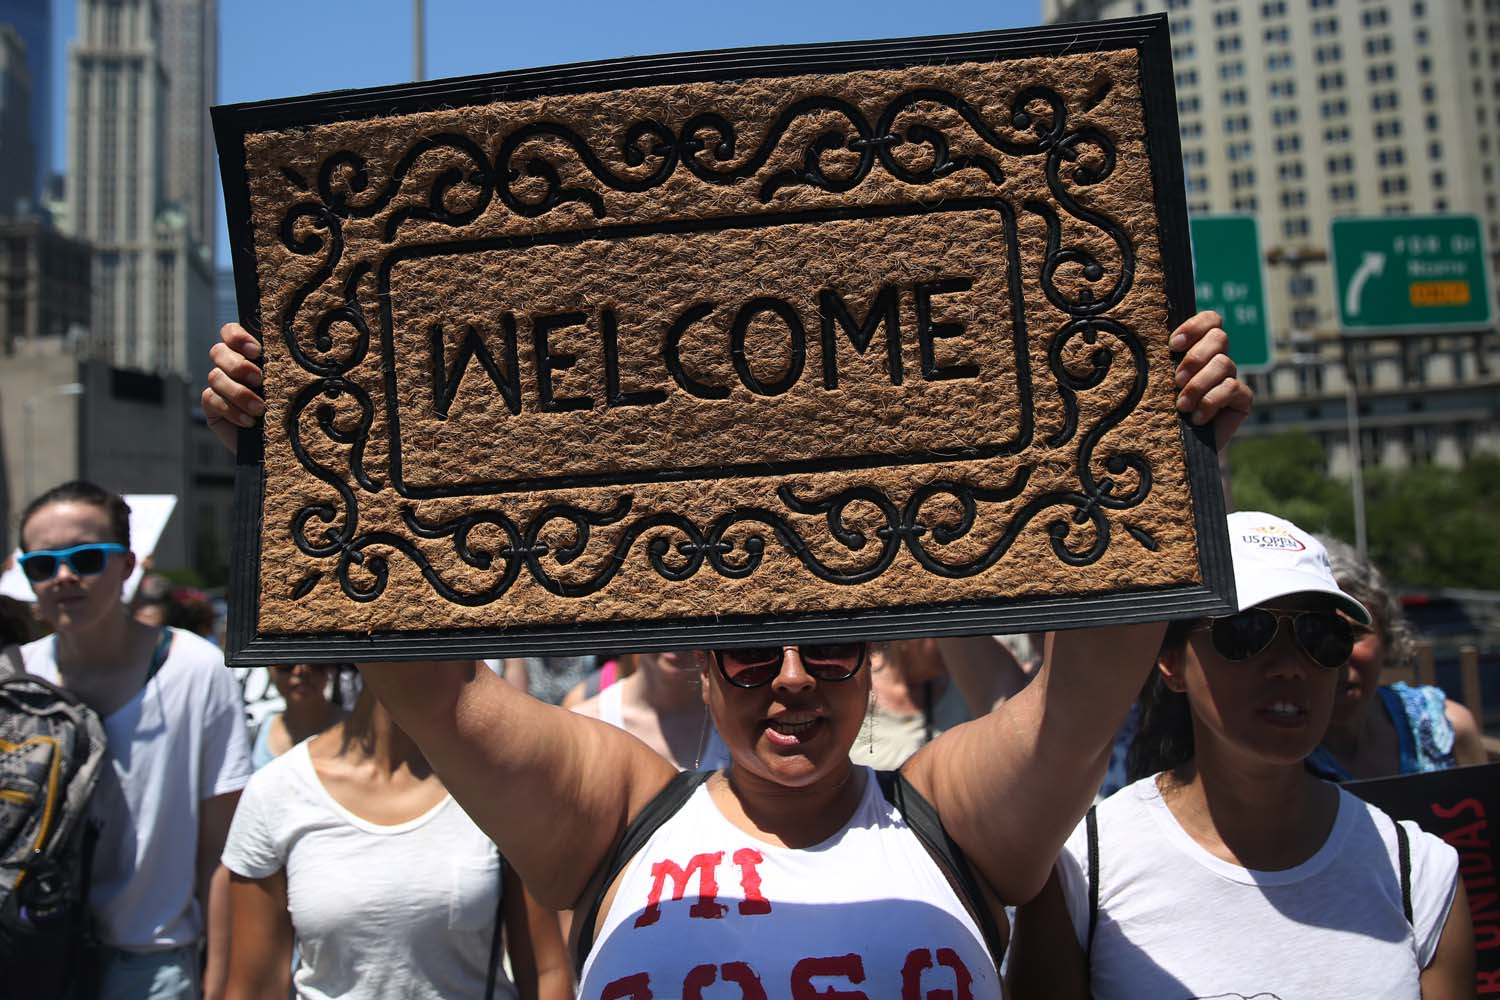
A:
x: 705, y: 908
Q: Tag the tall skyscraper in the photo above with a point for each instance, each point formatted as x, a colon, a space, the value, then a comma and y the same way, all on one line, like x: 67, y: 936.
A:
x: 17, y: 165
x: 153, y: 281
x: 189, y: 52
x: 1301, y: 111
x: 32, y: 20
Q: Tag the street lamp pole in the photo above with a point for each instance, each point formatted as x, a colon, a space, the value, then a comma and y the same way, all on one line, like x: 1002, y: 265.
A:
x: 419, y: 40
x: 28, y: 408
x: 1356, y: 456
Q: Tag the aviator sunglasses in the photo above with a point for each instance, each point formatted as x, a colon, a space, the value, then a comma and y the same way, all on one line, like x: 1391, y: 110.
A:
x: 1325, y: 636
x: 757, y: 666
x: 83, y: 560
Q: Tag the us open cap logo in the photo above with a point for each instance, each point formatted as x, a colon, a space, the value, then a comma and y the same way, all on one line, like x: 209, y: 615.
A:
x: 1273, y: 538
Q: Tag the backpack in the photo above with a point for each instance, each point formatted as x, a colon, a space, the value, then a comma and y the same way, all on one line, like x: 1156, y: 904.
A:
x: 51, y: 751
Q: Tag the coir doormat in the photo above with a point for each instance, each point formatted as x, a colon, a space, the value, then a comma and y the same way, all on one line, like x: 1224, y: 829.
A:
x: 860, y: 339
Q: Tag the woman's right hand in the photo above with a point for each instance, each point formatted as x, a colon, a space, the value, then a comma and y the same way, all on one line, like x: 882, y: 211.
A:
x: 232, y: 399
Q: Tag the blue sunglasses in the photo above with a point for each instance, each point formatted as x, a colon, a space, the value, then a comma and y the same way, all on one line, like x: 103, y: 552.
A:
x: 83, y: 560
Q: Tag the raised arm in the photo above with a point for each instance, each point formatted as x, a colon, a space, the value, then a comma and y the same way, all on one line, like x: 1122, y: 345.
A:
x: 1010, y: 786
x: 552, y: 789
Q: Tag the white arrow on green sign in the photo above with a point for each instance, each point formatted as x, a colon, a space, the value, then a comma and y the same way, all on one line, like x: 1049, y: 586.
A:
x: 1411, y: 273
x: 1229, y: 278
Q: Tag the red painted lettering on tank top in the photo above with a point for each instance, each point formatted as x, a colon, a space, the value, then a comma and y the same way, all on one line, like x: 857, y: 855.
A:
x: 738, y: 973
x: 754, y: 904
x: 850, y: 967
x: 708, y: 888
x: 919, y: 960
x: 636, y: 987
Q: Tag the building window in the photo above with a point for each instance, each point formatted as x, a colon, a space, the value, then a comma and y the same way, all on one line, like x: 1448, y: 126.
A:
x: 1284, y: 115
x: 1279, y: 35
x: 1296, y: 198
x: 1183, y: 51
x: 1279, y: 60
x: 1392, y: 156
x: 1342, y: 192
x: 1388, y: 129
x: 1334, y: 109
x: 1288, y: 143
x: 1245, y: 203
x: 1325, y: 26
x: 1242, y: 178
x: 1294, y: 226
x: 1187, y: 105
x: 1193, y: 157
x: 1378, y: 46
x: 1235, y: 97
x: 1381, y: 72
x: 1439, y: 179
x: 1432, y: 122
x: 1419, y: 8
x: 1241, y: 150
x: 1198, y: 183
x: 1231, y: 70
x: 1373, y: 17
x: 1187, y: 78
x: 1192, y: 130
x: 1340, y: 164
x: 1225, y: 18
x: 1429, y: 93
x: 1331, y: 81
x: 1302, y: 286
x: 1274, y: 9
x: 1290, y: 171
x: 1237, y: 123
x: 1393, y: 185
x: 1227, y: 43
x: 1283, y: 88
x: 1328, y: 53
x: 1425, y: 64
x: 1384, y: 101
x: 1435, y: 152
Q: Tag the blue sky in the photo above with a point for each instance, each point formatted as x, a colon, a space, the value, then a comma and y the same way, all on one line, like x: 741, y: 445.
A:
x: 281, y: 48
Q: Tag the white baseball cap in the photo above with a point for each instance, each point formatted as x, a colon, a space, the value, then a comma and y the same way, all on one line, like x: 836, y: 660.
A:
x: 1275, y: 558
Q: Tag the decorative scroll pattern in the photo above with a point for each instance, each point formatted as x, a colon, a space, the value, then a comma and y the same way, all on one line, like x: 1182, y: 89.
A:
x: 707, y: 146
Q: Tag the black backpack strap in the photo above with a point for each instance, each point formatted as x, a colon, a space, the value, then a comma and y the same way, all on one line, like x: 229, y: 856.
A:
x: 924, y: 821
x: 1403, y: 858
x: 650, y: 819
x: 494, y: 968
x: 1091, y: 832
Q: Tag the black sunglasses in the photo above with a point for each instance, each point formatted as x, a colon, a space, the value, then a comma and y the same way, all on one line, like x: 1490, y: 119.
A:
x: 1327, y: 637
x: 84, y: 560
x: 757, y: 666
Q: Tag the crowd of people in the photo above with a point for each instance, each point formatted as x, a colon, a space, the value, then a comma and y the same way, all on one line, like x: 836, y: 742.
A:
x: 911, y: 819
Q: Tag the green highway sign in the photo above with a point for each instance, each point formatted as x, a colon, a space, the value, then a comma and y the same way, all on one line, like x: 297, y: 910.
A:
x: 1410, y: 273
x: 1228, y: 278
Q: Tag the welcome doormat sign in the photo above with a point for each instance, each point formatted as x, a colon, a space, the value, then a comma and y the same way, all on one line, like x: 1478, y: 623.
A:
x: 831, y: 340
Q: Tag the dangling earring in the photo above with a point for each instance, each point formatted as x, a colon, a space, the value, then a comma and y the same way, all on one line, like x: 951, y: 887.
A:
x: 870, y: 721
x: 702, y: 740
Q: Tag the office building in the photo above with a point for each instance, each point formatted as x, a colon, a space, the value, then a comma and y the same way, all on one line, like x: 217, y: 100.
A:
x: 32, y: 20
x: 17, y: 160
x: 189, y: 53
x: 45, y: 289
x: 1301, y: 111
x: 153, y: 280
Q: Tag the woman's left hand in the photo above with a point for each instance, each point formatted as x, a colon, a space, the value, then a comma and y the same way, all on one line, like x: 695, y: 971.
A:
x: 1206, y: 384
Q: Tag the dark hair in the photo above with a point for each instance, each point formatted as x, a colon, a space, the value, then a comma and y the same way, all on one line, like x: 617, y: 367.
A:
x: 1164, y: 734
x: 15, y: 621
x: 83, y: 491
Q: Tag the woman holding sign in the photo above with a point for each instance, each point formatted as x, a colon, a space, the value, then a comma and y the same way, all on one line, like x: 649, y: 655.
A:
x: 792, y: 872
x: 1230, y: 870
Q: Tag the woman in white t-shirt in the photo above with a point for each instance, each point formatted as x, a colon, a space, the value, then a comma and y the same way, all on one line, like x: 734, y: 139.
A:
x: 1231, y: 871
x: 351, y: 846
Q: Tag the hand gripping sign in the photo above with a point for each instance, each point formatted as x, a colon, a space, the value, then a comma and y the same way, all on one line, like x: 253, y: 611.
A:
x: 857, y: 339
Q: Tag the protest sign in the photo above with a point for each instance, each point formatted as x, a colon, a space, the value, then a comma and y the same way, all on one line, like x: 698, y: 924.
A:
x: 832, y: 340
x: 1461, y: 806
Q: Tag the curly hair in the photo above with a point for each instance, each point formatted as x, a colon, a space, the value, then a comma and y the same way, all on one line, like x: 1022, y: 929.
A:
x: 1361, y: 580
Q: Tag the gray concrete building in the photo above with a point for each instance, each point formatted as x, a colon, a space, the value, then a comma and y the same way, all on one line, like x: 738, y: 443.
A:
x: 1302, y: 111
x: 45, y: 288
x: 153, y: 280
x: 129, y: 431
x: 190, y: 56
